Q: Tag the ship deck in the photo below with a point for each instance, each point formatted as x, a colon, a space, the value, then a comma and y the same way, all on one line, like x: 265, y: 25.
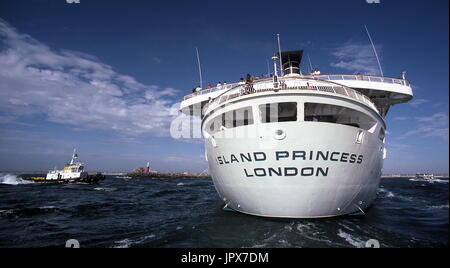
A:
x: 375, y: 91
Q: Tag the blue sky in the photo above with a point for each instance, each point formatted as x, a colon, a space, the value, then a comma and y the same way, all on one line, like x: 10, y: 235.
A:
x: 106, y: 76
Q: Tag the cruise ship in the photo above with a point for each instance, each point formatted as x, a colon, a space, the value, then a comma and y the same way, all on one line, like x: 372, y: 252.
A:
x: 296, y: 145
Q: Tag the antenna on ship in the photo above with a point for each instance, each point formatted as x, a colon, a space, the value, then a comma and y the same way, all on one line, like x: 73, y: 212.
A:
x: 274, y: 58
x: 74, y: 156
x: 374, y: 50
x: 310, y: 65
x: 279, y: 51
x: 199, y: 68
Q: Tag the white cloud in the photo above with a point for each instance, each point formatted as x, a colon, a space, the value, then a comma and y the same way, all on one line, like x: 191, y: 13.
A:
x: 438, y: 119
x: 356, y: 57
x: 76, y: 88
x: 435, y: 125
x: 417, y: 102
x: 401, y: 118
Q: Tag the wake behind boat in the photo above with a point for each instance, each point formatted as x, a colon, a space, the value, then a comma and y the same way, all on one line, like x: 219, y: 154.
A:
x: 72, y: 172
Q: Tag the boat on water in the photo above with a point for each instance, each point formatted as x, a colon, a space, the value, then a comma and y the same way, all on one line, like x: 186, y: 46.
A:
x: 425, y: 176
x: 73, y: 172
x: 296, y: 145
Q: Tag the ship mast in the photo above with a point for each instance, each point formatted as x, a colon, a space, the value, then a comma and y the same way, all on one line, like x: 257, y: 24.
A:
x: 279, y: 51
x: 199, y: 68
x: 74, y: 157
x: 374, y: 51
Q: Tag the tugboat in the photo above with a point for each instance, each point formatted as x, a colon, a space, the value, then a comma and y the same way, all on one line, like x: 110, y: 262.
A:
x: 71, y: 173
x: 424, y: 176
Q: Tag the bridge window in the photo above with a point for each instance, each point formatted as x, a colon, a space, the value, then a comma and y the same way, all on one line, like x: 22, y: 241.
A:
x: 231, y: 119
x: 278, y: 112
x: 319, y: 112
x: 215, y: 124
x: 238, y: 118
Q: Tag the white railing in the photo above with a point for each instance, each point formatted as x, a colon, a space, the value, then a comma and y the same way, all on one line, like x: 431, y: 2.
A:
x: 249, y: 89
x: 325, y: 77
x: 209, y: 90
x: 361, y: 77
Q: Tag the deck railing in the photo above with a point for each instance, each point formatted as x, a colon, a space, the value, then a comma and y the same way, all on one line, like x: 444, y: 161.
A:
x: 249, y: 89
x: 209, y: 90
x: 325, y: 77
x: 361, y: 77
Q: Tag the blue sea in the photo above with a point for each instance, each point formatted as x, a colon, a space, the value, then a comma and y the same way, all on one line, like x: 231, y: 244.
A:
x: 187, y: 213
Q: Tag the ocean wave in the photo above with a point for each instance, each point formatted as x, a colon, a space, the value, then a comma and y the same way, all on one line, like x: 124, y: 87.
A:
x: 127, y: 242
x: 27, y: 211
x: 47, y: 207
x: 386, y: 193
x: 164, y: 193
x: 124, y: 243
x: 352, y: 240
x: 6, y: 212
x: 12, y: 179
x: 438, y: 207
x: 106, y: 189
x: 346, y: 226
x: 305, y: 227
x: 312, y: 232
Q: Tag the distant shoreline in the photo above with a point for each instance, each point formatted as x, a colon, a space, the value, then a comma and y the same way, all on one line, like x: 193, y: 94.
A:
x: 170, y: 175
x: 409, y: 176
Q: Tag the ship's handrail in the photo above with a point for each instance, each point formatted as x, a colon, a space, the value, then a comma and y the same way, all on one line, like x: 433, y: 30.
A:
x: 356, y: 77
x: 362, y: 77
x: 209, y: 90
x: 248, y: 89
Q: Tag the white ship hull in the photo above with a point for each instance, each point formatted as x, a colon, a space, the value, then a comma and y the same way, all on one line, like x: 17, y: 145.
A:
x: 296, y: 169
x: 298, y: 188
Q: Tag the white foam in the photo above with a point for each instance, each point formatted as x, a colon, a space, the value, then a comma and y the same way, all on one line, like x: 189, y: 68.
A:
x: 312, y: 232
x: 304, y: 227
x: 387, y: 193
x: 258, y: 246
x: 126, y: 243
x: 47, y: 207
x: 351, y: 239
x: 284, y: 243
x: 346, y: 227
x: 288, y: 227
x: 105, y: 189
x: 439, y: 207
x: 390, y: 194
x: 6, y: 211
x: 12, y: 179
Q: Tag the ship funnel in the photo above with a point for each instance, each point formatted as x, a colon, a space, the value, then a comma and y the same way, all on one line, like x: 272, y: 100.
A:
x: 291, y: 61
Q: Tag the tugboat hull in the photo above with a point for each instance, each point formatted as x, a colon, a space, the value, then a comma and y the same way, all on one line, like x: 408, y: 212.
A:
x: 92, y: 179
